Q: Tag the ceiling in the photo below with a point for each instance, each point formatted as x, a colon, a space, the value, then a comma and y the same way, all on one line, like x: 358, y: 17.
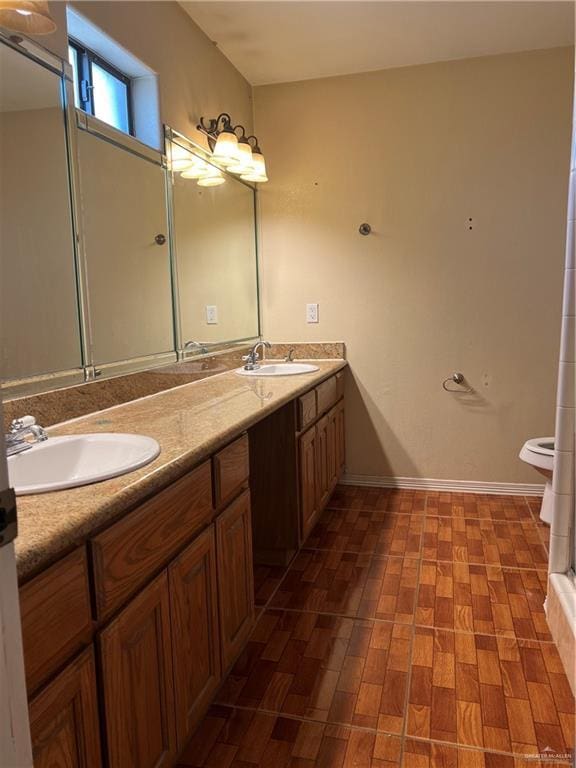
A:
x: 275, y: 42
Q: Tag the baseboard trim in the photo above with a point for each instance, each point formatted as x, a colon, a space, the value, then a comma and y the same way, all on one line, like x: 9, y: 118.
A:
x: 458, y: 486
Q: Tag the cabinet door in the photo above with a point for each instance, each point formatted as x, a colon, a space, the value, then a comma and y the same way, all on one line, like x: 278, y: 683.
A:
x: 340, y: 439
x: 308, y: 482
x: 322, y: 462
x: 64, y: 718
x: 195, y: 634
x: 235, y: 577
x: 136, y: 652
x: 332, y: 446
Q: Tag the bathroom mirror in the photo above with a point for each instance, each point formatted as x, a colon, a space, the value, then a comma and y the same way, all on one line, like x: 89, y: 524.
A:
x: 38, y: 294
x: 214, y: 240
x: 125, y: 234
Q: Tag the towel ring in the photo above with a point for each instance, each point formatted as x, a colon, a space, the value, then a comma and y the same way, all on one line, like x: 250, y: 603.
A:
x: 457, y: 378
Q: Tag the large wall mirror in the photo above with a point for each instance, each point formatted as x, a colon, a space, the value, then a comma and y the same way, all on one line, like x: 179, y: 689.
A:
x: 39, y: 318
x: 214, y: 242
x: 112, y: 255
x: 125, y: 235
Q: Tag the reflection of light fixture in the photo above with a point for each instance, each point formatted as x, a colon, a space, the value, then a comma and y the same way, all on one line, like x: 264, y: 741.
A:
x: 235, y: 154
x: 211, y: 179
x: 31, y: 18
x: 197, y: 169
x: 257, y: 171
x: 180, y: 158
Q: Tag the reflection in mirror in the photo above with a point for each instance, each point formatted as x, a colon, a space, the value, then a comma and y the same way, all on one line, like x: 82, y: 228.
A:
x: 215, y: 249
x: 38, y: 296
x: 125, y: 229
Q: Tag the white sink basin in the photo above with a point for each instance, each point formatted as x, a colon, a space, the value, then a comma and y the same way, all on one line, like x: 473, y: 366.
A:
x: 70, y: 461
x: 279, y: 369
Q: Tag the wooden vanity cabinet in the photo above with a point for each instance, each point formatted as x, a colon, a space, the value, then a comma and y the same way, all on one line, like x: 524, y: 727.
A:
x: 235, y: 577
x: 165, y: 595
x: 309, y: 508
x: 296, y: 459
x: 55, y: 605
x: 138, y: 683
x: 193, y: 588
x: 64, y: 718
x: 321, y: 453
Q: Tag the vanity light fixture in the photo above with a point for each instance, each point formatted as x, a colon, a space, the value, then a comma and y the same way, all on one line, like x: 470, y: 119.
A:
x: 26, y: 16
x: 243, y: 162
x: 232, y: 149
x: 257, y: 172
x: 225, y: 150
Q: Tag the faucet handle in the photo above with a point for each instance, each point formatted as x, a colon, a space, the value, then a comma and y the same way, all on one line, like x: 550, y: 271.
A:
x: 252, y: 357
x: 24, y: 422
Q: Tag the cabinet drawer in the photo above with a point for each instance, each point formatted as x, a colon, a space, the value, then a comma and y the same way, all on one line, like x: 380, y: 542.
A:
x: 128, y: 553
x: 326, y: 395
x: 231, y: 470
x: 56, y: 616
x: 306, y: 409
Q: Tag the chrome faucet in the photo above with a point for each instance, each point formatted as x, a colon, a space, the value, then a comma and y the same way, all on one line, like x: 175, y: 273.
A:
x: 251, y: 359
x: 23, y: 434
x: 290, y: 356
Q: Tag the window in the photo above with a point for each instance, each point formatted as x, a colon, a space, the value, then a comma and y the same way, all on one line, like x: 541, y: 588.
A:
x: 100, y: 89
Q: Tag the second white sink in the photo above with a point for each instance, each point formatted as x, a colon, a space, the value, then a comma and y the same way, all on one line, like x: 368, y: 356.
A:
x: 279, y: 369
x: 70, y: 461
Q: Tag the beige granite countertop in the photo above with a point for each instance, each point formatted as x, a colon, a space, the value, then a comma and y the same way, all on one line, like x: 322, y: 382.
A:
x: 190, y: 422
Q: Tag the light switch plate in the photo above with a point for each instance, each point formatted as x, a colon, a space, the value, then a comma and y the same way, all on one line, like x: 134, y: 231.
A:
x: 211, y: 314
x: 311, y: 313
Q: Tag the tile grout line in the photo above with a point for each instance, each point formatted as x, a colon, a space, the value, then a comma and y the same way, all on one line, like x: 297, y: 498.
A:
x: 539, y: 523
x: 377, y: 731
x: 418, y: 559
x: 415, y: 624
x: 427, y: 559
x: 412, y: 641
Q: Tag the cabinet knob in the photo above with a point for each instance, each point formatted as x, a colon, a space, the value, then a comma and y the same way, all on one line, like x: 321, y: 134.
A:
x: 160, y: 239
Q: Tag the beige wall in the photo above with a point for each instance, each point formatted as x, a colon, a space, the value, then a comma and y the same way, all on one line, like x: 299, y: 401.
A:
x: 416, y: 152
x: 195, y: 78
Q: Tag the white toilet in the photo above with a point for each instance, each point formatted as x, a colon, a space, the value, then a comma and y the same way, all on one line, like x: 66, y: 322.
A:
x: 539, y: 452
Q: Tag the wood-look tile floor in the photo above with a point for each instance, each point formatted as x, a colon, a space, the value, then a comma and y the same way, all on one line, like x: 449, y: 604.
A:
x: 409, y: 632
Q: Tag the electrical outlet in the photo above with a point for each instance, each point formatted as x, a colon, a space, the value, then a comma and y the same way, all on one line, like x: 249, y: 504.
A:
x: 211, y: 314
x: 311, y: 313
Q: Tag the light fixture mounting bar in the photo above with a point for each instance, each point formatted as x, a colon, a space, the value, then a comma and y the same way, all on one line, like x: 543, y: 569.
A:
x: 212, y: 127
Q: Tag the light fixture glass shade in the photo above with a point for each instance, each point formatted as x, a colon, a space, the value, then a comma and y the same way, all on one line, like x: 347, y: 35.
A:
x: 257, y: 172
x: 244, y: 161
x: 26, y: 16
x: 195, y: 171
x: 213, y: 178
x: 226, y: 149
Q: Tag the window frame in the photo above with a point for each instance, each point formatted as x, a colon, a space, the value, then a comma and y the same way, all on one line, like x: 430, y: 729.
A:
x: 84, y: 60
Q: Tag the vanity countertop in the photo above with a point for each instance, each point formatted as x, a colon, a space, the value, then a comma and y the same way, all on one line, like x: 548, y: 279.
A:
x: 190, y: 422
